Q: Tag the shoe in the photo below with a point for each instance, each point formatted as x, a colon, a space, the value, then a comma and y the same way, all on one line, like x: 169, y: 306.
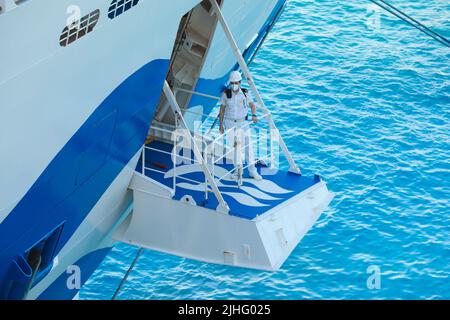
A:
x: 234, y: 176
x: 255, y: 175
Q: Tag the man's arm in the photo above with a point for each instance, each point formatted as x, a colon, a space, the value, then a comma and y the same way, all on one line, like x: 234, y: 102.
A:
x: 221, y: 116
x: 253, y: 108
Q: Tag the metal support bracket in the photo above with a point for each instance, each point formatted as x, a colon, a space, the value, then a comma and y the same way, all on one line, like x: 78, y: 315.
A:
x: 241, y: 61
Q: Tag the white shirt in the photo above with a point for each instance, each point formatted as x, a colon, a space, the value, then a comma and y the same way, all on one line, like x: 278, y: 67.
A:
x: 237, y: 107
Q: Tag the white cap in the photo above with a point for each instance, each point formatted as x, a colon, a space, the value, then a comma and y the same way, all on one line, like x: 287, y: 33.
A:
x: 235, y: 76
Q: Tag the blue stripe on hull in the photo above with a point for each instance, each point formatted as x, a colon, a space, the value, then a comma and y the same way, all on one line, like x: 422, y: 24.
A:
x: 78, y: 176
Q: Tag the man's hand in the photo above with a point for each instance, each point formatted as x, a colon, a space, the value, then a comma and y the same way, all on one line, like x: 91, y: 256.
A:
x: 255, y: 119
x: 222, y: 129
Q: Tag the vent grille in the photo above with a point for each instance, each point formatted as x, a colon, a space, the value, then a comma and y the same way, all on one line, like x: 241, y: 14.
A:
x: 118, y: 7
x: 79, y: 28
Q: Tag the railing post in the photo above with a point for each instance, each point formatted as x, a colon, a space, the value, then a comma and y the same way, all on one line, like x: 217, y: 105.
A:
x: 205, y: 157
x: 223, y: 206
x: 248, y: 76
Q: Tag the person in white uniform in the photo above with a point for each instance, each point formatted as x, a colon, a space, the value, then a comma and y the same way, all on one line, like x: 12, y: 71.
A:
x: 235, y: 103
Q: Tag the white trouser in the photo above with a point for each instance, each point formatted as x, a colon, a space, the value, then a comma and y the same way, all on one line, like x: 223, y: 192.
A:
x: 240, y: 138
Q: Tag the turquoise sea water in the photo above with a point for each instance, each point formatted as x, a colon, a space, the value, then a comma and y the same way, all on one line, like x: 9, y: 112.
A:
x: 369, y: 109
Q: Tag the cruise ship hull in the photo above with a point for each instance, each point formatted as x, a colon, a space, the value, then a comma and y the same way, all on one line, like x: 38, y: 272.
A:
x: 74, y: 118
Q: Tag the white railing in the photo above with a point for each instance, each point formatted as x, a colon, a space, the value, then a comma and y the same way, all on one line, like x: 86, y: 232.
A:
x: 237, y: 148
x: 174, y: 156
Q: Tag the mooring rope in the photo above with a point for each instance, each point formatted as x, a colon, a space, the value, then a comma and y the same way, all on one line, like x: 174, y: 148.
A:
x: 411, y: 21
x: 124, y: 279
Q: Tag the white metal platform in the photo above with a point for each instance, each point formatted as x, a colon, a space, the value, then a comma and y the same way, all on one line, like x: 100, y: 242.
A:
x: 184, y: 229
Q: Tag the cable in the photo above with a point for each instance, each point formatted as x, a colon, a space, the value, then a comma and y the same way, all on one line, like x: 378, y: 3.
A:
x: 447, y: 42
x: 124, y: 279
x: 411, y: 21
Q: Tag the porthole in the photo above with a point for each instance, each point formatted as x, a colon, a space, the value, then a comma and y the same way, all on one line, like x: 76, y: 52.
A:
x: 118, y: 7
x: 79, y: 28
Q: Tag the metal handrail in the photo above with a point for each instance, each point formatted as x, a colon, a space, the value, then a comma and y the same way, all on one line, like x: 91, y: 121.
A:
x: 197, y: 93
x: 214, y: 161
x: 248, y: 124
x: 161, y: 130
x: 180, y: 177
x: 215, y: 117
x: 205, y: 143
x: 170, y: 153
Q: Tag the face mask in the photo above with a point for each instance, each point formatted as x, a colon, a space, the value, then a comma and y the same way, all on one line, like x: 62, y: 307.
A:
x: 235, y: 87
